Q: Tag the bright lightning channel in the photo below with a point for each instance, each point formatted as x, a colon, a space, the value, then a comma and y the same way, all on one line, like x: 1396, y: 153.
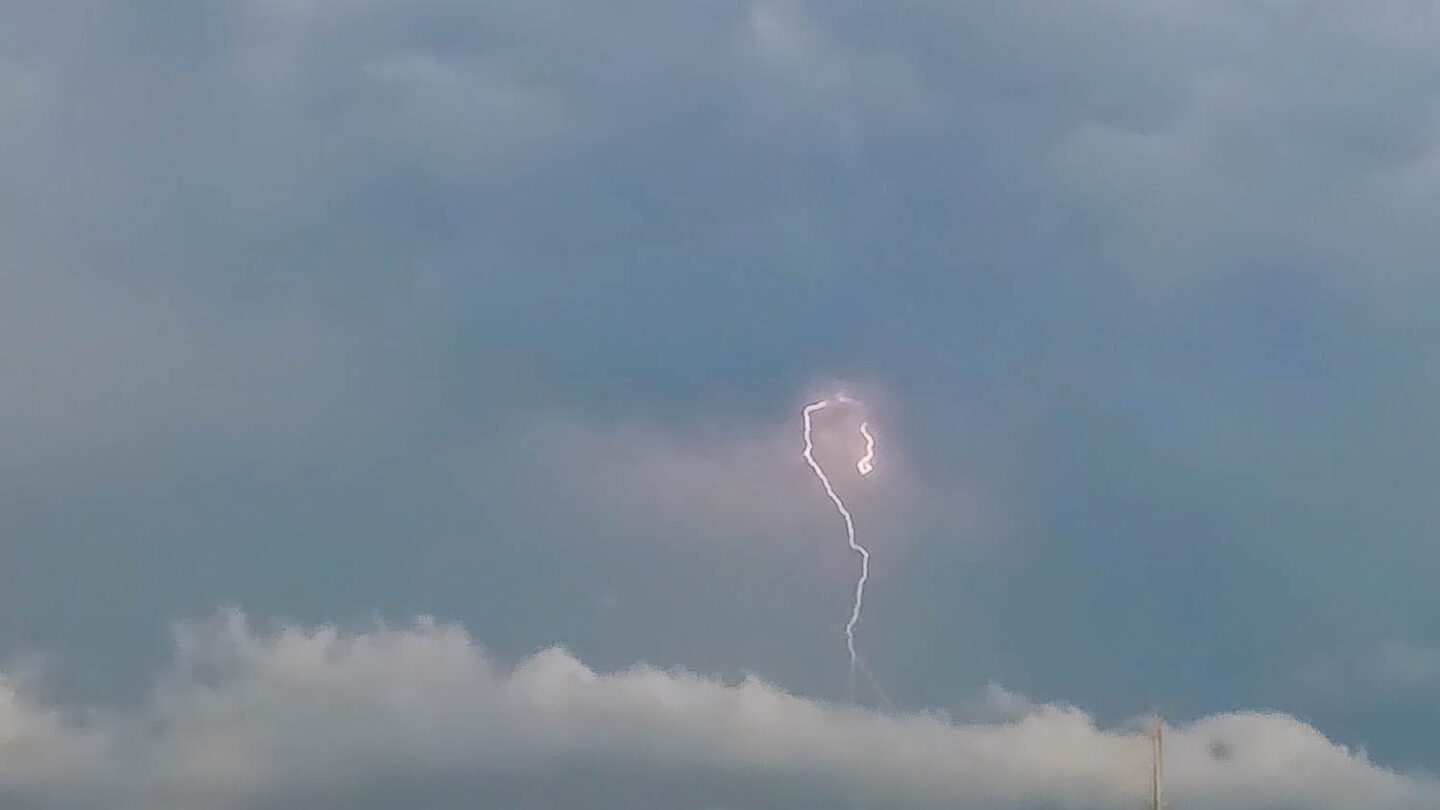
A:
x: 864, y: 466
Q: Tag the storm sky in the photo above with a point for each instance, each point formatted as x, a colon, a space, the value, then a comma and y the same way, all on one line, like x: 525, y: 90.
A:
x: 399, y: 402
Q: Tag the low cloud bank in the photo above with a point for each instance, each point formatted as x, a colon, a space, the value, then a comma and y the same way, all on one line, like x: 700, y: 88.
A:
x: 423, y: 717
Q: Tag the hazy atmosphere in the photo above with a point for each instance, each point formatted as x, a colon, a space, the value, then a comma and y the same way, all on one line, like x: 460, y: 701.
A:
x: 400, y: 403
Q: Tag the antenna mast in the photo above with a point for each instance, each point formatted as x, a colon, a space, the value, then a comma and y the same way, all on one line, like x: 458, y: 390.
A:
x: 1157, y: 766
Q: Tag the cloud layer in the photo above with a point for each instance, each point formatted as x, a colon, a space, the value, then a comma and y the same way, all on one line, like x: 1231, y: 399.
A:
x: 1157, y: 274
x: 317, y: 717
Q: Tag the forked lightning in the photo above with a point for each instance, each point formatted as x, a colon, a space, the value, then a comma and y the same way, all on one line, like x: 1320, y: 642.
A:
x: 864, y: 466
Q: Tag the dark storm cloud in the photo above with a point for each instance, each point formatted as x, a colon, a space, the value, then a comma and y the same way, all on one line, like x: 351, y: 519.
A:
x: 311, y: 306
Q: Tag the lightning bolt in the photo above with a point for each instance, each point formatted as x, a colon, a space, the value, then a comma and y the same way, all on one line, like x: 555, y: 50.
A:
x: 864, y: 466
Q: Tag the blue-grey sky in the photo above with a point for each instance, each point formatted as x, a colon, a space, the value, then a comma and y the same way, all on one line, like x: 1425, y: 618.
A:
x: 342, y: 313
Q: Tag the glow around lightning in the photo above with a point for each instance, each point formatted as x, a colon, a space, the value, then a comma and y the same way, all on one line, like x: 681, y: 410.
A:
x: 865, y: 465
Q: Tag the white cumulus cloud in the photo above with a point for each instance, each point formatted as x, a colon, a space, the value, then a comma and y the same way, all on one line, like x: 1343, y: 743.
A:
x: 421, y: 716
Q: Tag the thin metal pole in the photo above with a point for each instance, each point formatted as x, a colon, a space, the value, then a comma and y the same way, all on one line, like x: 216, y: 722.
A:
x: 1157, y: 767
